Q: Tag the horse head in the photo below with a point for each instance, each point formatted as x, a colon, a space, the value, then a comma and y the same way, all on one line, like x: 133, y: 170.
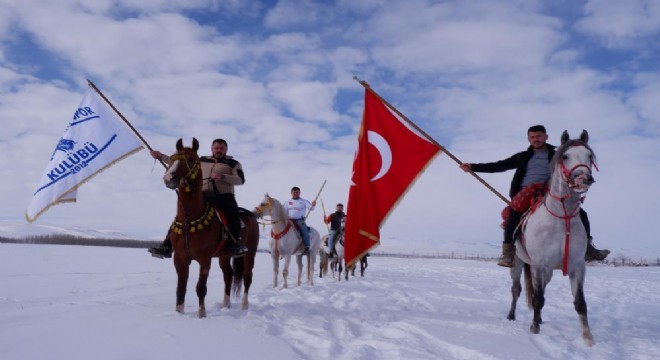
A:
x: 575, y: 159
x: 185, y: 168
x: 265, y: 207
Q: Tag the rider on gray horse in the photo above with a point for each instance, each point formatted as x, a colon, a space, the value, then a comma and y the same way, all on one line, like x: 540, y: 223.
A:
x: 531, y: 170
x: 335, y: 220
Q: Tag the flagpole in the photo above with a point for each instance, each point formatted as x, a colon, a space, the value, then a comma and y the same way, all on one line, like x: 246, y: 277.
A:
x: 316, y: 198
x: 429, y: 138
x: 91, y: 84
x: 324, y: 215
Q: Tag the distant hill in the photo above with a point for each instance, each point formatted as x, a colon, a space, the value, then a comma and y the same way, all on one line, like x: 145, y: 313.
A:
x: 22, y: 229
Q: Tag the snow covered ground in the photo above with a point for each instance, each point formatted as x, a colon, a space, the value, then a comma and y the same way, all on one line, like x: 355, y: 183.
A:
x: 76, y: 302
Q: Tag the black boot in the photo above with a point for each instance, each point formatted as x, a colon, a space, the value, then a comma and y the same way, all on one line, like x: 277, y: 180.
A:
x: 593, y: 253
x: 164, y: 250
x: 238, y: 249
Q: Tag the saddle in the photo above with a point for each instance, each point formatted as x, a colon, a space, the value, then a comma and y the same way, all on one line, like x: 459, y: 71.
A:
x: 526, y: 201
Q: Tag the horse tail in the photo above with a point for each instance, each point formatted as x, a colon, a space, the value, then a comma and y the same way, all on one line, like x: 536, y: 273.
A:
x: 238, y: 264
x: 529, y: 286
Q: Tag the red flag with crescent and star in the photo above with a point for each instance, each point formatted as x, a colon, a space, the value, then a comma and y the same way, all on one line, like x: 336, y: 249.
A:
x: 389, y: 158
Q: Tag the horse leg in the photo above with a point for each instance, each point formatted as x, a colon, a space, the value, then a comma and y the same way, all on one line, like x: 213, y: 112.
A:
x: 299, y: 262
x: 204, y: 267
x: 182, y: 270
x: 310, y: 269
x: 340, y: 268
x: 540, y: 279
x: 227, y: 276
x: 516, y: 287
x: 276, y: 267
x: 247, y: 279
x: 577, y: 284
x: 285, y: 271
x: 363, y: 265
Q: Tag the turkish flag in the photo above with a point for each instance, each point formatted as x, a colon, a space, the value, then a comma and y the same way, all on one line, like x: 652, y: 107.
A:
x: 389, y: 158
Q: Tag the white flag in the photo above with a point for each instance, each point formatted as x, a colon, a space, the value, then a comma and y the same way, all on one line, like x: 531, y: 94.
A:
x: 95, y: 139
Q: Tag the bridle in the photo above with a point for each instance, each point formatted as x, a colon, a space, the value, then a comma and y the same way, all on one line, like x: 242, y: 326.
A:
x: 193, y: 172
x: 566, y: 173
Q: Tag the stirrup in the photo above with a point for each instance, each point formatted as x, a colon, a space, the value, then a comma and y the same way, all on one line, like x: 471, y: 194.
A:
x: 238, y: 251
x: 161, y: 252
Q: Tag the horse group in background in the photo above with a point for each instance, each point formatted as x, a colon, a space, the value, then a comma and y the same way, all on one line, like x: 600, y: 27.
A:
x: 198, y: 234
x: 337, y: 264
x: 286, y: 241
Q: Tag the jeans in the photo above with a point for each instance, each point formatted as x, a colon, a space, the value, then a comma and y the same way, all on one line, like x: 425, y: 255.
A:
x: 331, y: 239
x: 304, y: 231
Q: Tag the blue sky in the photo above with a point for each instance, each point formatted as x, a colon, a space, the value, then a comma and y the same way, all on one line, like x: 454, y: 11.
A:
x: 275, y: 79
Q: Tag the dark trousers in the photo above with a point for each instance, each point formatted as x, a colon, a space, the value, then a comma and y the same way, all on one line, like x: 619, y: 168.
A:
x: 227, y: 204
x: 514, y: 219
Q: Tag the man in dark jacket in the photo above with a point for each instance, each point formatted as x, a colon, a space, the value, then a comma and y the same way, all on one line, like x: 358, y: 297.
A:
x: 531, y: 170
x: 335, y: 220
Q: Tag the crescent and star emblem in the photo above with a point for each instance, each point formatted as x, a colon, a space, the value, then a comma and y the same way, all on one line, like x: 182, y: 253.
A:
x: 379, y: 142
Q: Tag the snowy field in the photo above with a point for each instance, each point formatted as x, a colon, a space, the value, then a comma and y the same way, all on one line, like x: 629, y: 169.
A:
x: 74, y: 302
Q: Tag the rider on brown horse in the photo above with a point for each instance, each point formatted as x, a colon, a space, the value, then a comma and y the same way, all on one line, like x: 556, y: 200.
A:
x: 220, y: 173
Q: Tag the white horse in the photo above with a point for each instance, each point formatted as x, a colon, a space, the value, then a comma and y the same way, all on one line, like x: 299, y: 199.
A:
x: 338, y: 262
x: 553, y: 236
x: 286, y: 241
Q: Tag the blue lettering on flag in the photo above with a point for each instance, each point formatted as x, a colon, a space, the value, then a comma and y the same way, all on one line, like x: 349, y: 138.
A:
x: 87, y: 154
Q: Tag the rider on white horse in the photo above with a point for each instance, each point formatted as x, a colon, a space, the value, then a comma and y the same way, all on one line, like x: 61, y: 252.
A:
x: 334, y: 220
x: 532, y: 171
x: 296, y: 208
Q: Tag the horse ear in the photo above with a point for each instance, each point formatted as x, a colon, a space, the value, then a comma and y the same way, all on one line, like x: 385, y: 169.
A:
x: 179, y: 144
x: 584, y: 137
x: 195, y: 144
x: 564, y: 137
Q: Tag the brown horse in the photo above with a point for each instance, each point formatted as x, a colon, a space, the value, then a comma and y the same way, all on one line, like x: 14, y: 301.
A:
x: 197, y: 233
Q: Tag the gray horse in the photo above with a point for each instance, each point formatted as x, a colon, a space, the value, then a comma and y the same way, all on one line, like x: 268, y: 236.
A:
x: 553, y: 236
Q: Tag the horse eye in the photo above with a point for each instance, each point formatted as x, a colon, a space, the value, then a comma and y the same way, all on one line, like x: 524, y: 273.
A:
x: 564, y: 157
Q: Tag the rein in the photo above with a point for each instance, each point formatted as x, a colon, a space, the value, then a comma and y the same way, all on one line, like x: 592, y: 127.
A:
x: 567, y: 224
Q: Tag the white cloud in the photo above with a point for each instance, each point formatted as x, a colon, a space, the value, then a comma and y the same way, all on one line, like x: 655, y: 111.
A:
x: 621, y: 24
x: 473, y: 74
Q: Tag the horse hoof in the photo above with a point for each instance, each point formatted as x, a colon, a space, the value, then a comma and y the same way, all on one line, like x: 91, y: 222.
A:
x: 589, y: 341
x: 534, y: 329
x: 179, y: 309
x: 511, y: 317
x: 201, y: 314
